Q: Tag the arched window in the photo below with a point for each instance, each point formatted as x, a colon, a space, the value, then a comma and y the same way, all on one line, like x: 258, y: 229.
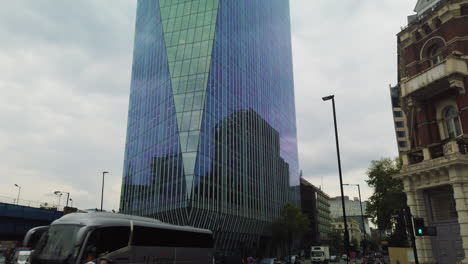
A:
x: 452, y: 122
x: 435, y: 54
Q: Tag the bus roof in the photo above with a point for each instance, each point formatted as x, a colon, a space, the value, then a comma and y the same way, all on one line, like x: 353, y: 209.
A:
x: 112, y: 219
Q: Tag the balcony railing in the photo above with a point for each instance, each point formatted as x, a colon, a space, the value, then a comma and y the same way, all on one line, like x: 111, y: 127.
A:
x: 463, y: 146
x: 451, y: 66
x: 437, y: 151
x: 434, y: 151
x: 415, y: 156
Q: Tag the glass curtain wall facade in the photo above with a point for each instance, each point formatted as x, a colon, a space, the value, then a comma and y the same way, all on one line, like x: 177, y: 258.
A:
x: 211, y: 136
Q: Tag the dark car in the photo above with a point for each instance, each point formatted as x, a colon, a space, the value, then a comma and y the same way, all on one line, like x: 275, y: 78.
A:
x: 269, y: 261
x: 369, y: 259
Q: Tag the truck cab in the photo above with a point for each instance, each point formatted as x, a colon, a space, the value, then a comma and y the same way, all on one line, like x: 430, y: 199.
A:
x: 320, y: 254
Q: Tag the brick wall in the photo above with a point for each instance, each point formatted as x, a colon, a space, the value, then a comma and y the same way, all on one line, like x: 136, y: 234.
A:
x: 410, y: 59
x: 453, y: 35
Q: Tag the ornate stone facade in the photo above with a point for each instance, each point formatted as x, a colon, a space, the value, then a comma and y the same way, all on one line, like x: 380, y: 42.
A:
x: 433, y: 76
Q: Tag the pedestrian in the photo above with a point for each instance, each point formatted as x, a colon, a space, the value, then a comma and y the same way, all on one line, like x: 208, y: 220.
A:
x: 366, y: 260
x: 105, y: 261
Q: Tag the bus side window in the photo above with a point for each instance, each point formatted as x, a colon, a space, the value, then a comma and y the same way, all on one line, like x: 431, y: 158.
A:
x: 159, y: 237
x: 106, y: 240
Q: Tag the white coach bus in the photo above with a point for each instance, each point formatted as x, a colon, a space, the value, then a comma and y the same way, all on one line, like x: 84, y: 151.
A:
x: 79, y: 238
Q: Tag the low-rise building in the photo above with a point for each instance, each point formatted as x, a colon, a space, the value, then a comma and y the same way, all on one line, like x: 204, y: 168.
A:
x: 354, y: 229
x: 315, y: 204
x: 353, y: 211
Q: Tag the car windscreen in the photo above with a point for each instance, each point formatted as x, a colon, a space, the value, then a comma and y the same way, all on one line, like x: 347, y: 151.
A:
x: 317, y: 254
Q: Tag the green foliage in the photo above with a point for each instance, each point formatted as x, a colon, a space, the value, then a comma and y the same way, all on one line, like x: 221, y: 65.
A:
x: 294, y: 221
x: 291, y: 225
x: 336, y: 242
x: 388, y: 198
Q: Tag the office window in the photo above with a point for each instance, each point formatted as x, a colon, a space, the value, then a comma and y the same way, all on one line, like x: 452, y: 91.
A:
x: 401, y: 134
x: 398, y: 113
x: 402, y: 144
x: 452, y: 122
x: 435, y: 54
x: 399, y: 124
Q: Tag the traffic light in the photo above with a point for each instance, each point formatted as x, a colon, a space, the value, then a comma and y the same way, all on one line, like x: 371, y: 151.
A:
x: 419, y: 228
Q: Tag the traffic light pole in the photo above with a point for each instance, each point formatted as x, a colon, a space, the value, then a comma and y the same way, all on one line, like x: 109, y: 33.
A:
x: 407, y: 215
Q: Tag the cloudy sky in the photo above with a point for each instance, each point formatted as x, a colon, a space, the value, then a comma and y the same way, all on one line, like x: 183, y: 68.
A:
x: 65, y: 74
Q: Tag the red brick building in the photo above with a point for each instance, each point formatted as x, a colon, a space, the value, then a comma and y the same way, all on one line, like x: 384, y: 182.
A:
x: 432, y: 94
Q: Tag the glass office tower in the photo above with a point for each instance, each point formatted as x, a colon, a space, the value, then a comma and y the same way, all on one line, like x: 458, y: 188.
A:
x: 211, y: 137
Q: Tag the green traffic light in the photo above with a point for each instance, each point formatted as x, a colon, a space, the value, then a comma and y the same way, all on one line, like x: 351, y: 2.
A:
x: 420, y: 231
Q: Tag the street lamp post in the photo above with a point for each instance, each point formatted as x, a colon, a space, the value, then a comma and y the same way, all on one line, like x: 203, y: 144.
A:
x: 102, y: 192
x: 362, y: 214
x: 60, y: 193
x: 19, y: 191
x: 59, y: 196
x: 346, y: 234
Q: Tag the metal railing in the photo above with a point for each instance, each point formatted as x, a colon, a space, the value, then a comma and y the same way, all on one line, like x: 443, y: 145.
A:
x: 438, y: 150
x: 415, y: 157
x: 463, y: 145
x: 31, y: 203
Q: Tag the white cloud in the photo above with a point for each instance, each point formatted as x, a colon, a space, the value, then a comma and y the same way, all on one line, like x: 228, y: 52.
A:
x: 65, y: 82
x: 65, y: 74
x: 346, y: 48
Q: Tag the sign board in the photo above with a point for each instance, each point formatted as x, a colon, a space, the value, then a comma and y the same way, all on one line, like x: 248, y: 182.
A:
x: 401, y: 255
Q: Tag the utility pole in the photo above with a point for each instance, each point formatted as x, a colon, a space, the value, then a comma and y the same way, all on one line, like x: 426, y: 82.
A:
x: 19, y: 191
x: 346, y: 234
x: 102, y: 192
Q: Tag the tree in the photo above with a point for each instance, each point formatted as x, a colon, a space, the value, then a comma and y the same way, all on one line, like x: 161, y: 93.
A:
x: 336, y: 242
x: 291, y: 225
x: 388, y: 198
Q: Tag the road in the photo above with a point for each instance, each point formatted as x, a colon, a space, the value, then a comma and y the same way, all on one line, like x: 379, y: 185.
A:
x: 339, y: 262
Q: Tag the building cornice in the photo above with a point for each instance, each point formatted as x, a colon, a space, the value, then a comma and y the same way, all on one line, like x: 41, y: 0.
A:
x: 445, y: 11
x: 445, y: 162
